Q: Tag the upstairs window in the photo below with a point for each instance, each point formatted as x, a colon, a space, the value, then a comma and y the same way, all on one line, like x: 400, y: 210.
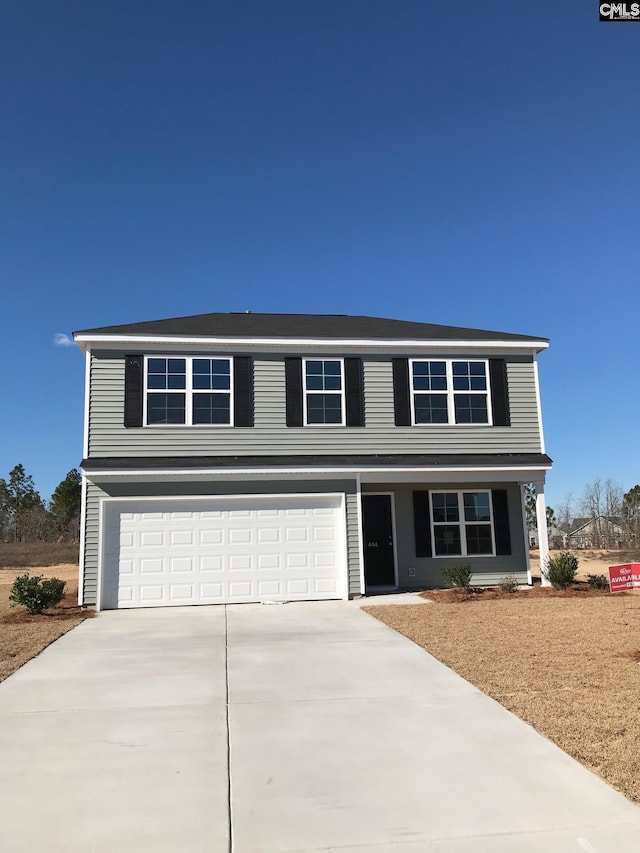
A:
x: 323, y: 386
x: 211, y: 378
x: 189, y: 390
x: 450, y: 392
x: 462, y: 524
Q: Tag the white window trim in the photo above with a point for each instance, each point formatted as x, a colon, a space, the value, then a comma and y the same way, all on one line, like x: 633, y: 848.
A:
x: 461, y: 523
x: 342, y: 392
x: 188, y: 391
x: 450, y: 394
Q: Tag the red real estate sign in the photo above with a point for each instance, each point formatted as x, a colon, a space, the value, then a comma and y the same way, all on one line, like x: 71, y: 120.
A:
x: 624, y: 577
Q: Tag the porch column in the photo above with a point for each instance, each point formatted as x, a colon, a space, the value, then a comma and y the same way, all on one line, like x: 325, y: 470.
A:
x: 525, y: 527
x: 541, y: 522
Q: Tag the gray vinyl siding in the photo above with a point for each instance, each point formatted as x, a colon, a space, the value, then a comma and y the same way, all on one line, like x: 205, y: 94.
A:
x: 91, y: 544
x: 353, y: 542
x: 271, y: 436
x: 142, y: 490
x: 487, y: 571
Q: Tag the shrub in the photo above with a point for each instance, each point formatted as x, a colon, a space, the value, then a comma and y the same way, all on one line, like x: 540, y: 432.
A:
x: 457, y: 577
x: 598, y: 581
x: 561, y: 570
x: 508, y: 584
x: 36, y: 594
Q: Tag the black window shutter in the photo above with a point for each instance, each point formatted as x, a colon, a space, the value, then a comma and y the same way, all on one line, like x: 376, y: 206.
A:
x: 243, y: 391
x: 422, y: 523
x: 401, y: 407
x: 133, y: 385
x: 499, y: 392
x: 501, y: 521
x: 354, y: 391
x: 293, y: 391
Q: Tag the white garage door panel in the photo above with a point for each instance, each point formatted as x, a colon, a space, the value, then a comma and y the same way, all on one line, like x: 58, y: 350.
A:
x: 223, y: 551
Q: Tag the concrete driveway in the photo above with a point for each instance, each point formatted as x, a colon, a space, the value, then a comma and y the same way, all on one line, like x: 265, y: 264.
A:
x: 302, y: 727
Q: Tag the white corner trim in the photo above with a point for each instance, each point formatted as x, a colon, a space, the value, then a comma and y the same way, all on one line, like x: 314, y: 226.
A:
x: 360, y: 533
x: 87, y: 397
x: 538, y: 405
x: 344, y: 534
x: 101, y: 542
x: 83, y: 528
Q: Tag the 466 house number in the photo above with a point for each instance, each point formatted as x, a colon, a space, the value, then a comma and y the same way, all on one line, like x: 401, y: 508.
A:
x: 372, y: 544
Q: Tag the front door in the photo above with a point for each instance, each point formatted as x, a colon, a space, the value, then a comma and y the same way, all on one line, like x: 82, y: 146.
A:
x: 377, y: 530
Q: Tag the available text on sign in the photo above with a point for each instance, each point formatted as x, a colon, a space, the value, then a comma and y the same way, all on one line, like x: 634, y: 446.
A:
x: 624, y: 577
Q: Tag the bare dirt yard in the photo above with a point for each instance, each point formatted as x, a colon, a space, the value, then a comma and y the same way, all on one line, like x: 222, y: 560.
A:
x: 592, y: 561
x: 568, y: 664
x: 23, y: 636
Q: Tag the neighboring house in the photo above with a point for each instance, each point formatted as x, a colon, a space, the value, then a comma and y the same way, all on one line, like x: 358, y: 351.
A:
x: 598, y: 532
x: 556, y: 535
x: 251, y: 457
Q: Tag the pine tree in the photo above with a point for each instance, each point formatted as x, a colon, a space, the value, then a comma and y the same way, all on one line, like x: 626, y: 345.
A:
x: 19, y: 502
x: 65, y: 505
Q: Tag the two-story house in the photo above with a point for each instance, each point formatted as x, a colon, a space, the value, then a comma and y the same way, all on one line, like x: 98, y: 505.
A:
x: 268, y: 457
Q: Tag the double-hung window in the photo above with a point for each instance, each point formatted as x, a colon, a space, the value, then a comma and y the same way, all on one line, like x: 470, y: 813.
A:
x: 462, y: 524
x: 450, y: 392
x: 189, y: 390
x: 323, y: 384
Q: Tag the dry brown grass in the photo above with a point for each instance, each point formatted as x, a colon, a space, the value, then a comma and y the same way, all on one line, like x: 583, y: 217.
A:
x: 34, y: 554
x: 23, y: 636
x: 565, y: 664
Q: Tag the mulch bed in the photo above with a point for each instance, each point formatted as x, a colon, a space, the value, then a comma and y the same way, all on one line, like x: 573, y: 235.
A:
x: 458, y: 596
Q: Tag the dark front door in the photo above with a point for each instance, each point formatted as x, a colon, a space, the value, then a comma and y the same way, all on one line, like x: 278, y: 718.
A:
x: 377, y: 530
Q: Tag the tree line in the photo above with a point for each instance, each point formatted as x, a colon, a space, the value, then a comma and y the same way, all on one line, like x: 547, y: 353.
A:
x: 26, y: 517
x: 604, y: 516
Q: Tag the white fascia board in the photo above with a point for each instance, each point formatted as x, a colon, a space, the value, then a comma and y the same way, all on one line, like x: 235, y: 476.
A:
x: 388, y: 474
x: 300, y: 344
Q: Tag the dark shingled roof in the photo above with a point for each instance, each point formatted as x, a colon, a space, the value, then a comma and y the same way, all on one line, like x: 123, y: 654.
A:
x: 302, y: 326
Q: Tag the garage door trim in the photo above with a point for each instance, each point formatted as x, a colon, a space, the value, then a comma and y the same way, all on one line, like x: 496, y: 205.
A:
x: 108, y: 503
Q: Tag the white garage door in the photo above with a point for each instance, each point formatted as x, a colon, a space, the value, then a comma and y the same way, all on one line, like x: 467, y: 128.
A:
x: 223, y: 550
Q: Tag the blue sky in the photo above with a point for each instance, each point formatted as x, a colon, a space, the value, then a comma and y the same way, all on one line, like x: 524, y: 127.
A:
x: 460, y: 163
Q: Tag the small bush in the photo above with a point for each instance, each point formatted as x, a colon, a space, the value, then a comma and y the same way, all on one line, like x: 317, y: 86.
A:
x: 457, y: 577
x: 561, y: 570
x: 36, y: 594
x: 598, y: 581
x: 509, y: 584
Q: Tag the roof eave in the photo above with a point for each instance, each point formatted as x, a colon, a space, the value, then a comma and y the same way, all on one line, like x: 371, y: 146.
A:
x: 89, y: 340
